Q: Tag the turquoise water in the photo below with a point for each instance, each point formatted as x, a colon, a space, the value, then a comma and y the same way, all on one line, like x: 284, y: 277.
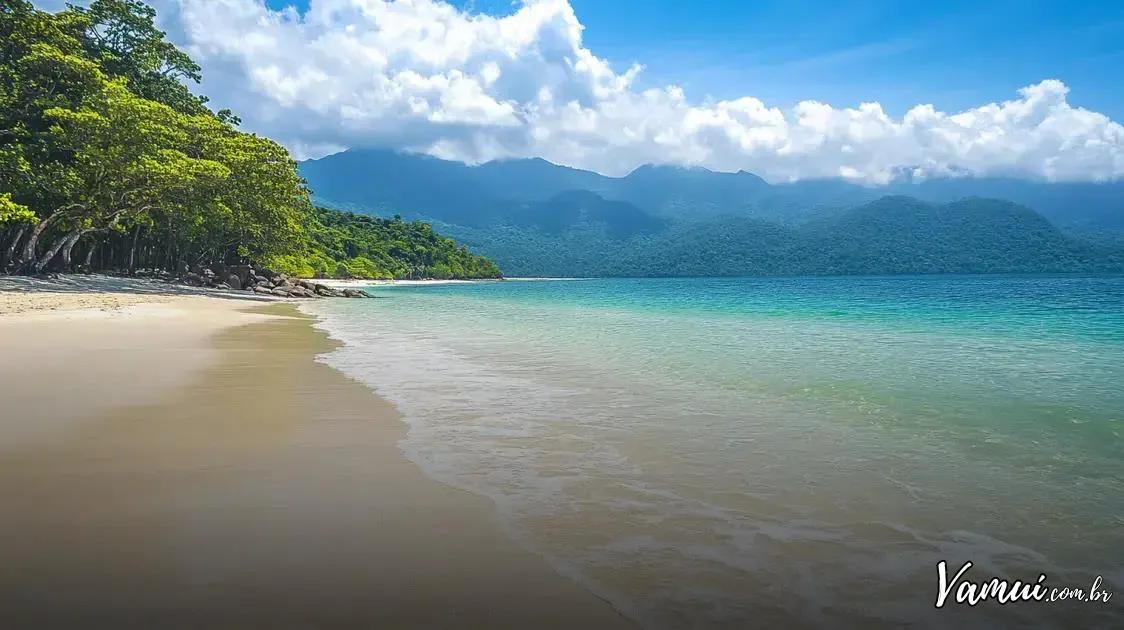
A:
x: 782, y: 452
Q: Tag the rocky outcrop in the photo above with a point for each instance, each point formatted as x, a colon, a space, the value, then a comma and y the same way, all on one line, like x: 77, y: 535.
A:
x: 263, y: 282
x: 238, y: 278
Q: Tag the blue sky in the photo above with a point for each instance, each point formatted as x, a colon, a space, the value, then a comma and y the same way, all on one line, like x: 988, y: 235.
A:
x: 788, y: 90
x: 951, y: 53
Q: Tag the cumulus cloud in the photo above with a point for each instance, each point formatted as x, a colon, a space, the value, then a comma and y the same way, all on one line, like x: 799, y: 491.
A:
x: 422, y: 75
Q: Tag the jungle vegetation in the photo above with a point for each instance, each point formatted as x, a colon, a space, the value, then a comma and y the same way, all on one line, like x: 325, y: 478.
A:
x: 108, y: 161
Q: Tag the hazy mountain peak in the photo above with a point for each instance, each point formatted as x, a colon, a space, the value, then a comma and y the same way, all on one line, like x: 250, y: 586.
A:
x: 426, y: 186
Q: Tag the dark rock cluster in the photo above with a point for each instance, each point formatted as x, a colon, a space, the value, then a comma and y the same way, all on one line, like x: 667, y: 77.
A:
x: 262, y: 281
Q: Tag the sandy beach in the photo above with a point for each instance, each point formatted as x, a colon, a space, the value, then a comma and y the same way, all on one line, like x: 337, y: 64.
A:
x: 174, y: 461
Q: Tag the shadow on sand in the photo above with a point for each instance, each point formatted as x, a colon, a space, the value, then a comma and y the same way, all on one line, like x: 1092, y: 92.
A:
x: 96, y: 283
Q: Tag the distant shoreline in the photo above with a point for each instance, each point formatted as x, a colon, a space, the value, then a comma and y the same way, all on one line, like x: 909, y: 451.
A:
x: 353, y: 282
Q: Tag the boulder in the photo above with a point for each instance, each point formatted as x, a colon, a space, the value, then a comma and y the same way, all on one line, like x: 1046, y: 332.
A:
x: 234, y: 281
x: 208, y: 273
x: 193, y: 279
x: 262, y: 290
x: 280, y: 292
x: 244, y: 273
x: 355, y: 293
x: 222, y: 285
x: 327, y: 291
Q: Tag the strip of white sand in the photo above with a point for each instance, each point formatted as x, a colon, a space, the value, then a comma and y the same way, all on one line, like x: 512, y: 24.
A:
x: 69, y: 357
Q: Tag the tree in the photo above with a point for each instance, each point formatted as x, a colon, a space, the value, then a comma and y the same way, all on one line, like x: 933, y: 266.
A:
x: 129, y: 158
x: 122, y: 37
x: 103, y: 148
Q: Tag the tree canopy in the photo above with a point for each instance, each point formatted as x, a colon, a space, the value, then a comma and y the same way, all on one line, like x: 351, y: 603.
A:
x: 105, y: 150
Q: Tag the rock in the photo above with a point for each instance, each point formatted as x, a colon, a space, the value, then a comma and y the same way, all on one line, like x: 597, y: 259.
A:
x: 355, y: 293
x: 207, y: 273
x: 327, y: 291
x: 234, y: 281
x: 244, y: 272
x: 260, y: 279
x: 222, y: 285
x: 280, y: 292
x: 193, y: 279
x: 306, y: 285
x: 262, y: 290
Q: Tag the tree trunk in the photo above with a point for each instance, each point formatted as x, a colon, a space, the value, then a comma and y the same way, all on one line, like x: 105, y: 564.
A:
x: 10, y: 251
x: 90, y: 256
x: 52, y: 252
x: 133, y: 251
x: 28, y: 253
x: 68, y: 247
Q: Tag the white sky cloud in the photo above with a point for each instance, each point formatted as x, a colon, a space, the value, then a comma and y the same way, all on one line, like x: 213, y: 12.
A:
x: 420, y: 75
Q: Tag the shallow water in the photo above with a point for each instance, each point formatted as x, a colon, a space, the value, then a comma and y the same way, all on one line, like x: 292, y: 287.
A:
x: 796, y: 452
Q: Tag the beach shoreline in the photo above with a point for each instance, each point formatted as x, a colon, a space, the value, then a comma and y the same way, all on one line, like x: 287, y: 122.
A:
x: 356, y: 283
x: 183, y: 460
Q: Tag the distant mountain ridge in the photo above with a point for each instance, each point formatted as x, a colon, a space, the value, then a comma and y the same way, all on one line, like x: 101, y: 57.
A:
x: 372, y: 176
x: 537, y: 218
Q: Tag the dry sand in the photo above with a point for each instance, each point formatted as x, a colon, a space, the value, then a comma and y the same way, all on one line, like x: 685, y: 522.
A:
x: 180, y: 462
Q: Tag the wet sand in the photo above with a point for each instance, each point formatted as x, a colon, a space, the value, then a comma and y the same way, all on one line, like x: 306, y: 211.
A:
x: 190, y: 465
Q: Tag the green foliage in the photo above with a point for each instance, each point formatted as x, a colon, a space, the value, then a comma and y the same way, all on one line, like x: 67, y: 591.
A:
x: 102, y: 143
x: 12, y: 212
x: 122, y: 37
x: 894, y: 235
x: 343, y: 244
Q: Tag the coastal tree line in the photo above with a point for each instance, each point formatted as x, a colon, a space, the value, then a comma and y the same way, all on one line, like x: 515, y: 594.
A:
x: 108, y: 161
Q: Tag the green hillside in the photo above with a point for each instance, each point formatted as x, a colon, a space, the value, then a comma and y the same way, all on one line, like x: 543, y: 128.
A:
x: 536, y: 218
x: 378, y: 180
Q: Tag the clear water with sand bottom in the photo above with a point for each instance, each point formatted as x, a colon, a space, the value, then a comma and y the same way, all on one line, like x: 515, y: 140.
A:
x: 791, y: 452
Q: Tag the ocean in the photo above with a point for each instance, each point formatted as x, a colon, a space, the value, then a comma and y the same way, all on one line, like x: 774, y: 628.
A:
x: 789, y: 452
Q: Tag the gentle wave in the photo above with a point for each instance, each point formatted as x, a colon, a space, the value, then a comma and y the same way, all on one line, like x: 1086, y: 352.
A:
x: 702, y: 469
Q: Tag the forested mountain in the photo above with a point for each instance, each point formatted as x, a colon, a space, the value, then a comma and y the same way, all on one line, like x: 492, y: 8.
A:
x: 893, y: 235
x: 536, y: 218
x: 109, y: 161
x: 426, y: 187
